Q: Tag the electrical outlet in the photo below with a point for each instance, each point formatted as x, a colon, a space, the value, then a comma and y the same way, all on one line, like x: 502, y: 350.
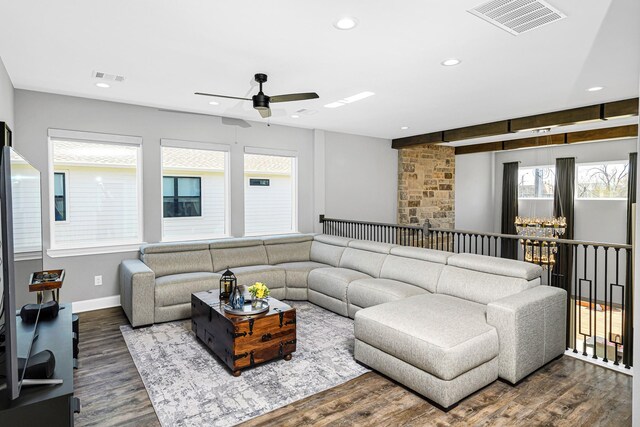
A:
x: 97, y: 280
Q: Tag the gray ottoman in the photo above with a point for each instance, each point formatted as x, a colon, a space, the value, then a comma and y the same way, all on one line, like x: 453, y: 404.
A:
x: 438, y: 345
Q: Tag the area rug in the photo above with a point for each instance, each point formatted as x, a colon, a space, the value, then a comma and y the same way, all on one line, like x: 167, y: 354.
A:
x: 189, y: 386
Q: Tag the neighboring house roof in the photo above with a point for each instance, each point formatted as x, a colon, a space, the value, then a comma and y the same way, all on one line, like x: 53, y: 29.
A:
x: 86, y: 153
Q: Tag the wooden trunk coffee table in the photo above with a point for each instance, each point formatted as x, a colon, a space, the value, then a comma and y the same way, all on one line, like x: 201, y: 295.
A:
x: 243, y: 341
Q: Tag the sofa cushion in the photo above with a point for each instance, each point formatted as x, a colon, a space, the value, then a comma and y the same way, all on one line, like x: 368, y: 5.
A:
x: 168, y: 263
x: 160, y: 248
x: 286, y: 238
x: 441, y: 335
x: 369, y: 292
x: 332, y: 240
x: 271, y: 275
x: 234, y: 242
x: 424, y: 254
x: 297, y: 273
x: 326, y: 253
x: 366, y: 262
x: 498, y: 266
x: 333, y: 281
x: 367, y: 245
x: 480, y: 287
x: 232, y: 257
x: 177, y: 288
x: 288, y: 252
x: 410, y: 270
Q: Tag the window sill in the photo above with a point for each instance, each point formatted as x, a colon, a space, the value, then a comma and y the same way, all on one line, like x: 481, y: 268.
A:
x: 27, y: 256
x: 194, y: 239
x: 96, y: 250
x: 277, y: 233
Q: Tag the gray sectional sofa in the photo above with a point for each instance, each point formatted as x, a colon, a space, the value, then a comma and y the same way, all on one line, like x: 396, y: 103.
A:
x: 443, y: 324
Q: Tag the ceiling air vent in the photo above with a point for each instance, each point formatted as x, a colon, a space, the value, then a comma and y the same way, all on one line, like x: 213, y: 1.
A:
x: 518, y: 16
x: 109, y: 77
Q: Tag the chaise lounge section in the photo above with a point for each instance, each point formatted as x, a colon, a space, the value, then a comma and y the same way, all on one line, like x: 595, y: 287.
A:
x: 443, y: 324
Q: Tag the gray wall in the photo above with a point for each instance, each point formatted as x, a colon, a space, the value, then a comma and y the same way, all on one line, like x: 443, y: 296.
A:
x: 6, y: 97
x: 361, y: 178
x: 475, y: 207
x: 36, y: 112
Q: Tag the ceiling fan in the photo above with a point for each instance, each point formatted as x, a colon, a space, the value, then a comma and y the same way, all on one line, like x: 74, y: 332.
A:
x: 261, y: 101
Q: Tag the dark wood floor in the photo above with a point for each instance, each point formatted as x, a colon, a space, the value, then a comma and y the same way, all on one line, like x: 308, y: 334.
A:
x: 567, y: 392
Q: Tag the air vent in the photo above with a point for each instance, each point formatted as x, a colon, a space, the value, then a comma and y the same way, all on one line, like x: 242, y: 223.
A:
x: 518, y: 16
x: 109, y: 77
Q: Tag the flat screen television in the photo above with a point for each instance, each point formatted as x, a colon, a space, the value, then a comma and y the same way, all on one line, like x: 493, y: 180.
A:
x: 20, y: 216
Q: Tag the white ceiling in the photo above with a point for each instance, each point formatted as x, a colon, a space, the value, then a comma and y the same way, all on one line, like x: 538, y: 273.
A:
x: 169, y: 49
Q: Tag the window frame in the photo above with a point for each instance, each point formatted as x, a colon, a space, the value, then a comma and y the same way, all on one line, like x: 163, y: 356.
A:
x: 607, y: 162
x: 64, y: 192
x: 56, y: 250
x: 294, y: 186
x: 536, y: 168
x: 176, y: 197
x: 204, y: 146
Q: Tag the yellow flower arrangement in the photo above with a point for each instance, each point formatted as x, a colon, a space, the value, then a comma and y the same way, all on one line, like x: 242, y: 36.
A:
x: 259, y: 290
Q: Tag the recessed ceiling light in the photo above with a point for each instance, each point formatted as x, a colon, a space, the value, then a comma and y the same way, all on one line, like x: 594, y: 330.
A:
x: 214, y: 103
x: 346, y: 23
x: 102, y: 85
x: 450, y: 62
x: 295, y: 116
x: 404, y: 127
x: 595, y: 88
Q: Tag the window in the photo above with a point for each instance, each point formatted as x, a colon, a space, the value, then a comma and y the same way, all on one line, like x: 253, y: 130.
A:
x: 536, y: 182
x: 95, y: 190
x: 602, y: 180
x: 59, y: 194
x: 269, y: 194
x: 194, y: 189
x: 181, y: 196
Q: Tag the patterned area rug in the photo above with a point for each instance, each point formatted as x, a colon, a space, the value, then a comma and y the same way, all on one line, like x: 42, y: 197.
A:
x: 189, y: 386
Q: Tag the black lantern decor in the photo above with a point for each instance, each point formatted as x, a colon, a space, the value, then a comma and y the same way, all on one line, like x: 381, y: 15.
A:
x: 227, y: 283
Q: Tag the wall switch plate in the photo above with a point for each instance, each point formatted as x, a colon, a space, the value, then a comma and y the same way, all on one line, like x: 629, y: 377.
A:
x: 97, y: 280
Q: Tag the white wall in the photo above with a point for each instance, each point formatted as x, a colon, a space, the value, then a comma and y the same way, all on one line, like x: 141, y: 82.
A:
x: 361, y: 180
x: 474, y: 202
x: 6, y: 97
x: 361, y: 172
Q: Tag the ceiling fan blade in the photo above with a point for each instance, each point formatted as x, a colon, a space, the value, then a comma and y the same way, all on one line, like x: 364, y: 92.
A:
x: 294, y: 97
x: 221, y: 96
x: 265, y: 112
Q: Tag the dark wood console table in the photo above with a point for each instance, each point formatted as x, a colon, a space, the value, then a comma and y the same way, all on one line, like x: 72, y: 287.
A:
x: 47, y: 405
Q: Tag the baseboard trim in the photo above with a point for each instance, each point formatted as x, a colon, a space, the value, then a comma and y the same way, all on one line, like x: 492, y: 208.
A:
x: 599, y: 362
x: 96, y: 304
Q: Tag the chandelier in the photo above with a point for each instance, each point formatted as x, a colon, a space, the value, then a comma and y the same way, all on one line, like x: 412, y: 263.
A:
x: 535, y: 251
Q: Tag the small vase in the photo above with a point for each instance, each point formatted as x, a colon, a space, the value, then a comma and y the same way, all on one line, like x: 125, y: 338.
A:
x: 255, y: 302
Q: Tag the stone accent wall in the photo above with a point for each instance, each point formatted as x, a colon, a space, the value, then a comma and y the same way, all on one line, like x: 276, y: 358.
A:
x: 426, y: 181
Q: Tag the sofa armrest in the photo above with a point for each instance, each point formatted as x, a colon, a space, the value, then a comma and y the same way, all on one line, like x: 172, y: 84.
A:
x: 137, y: 296
x: 531, y: 329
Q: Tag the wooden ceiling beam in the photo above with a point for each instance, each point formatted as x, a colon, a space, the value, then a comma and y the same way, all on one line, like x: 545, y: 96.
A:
x: 477, y: 131
x: 427, y: 138
x: 618, y: 132
x: 597, y: 112
x: 558, y: 118
x: 619, y: 109
x: 603, y: 134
